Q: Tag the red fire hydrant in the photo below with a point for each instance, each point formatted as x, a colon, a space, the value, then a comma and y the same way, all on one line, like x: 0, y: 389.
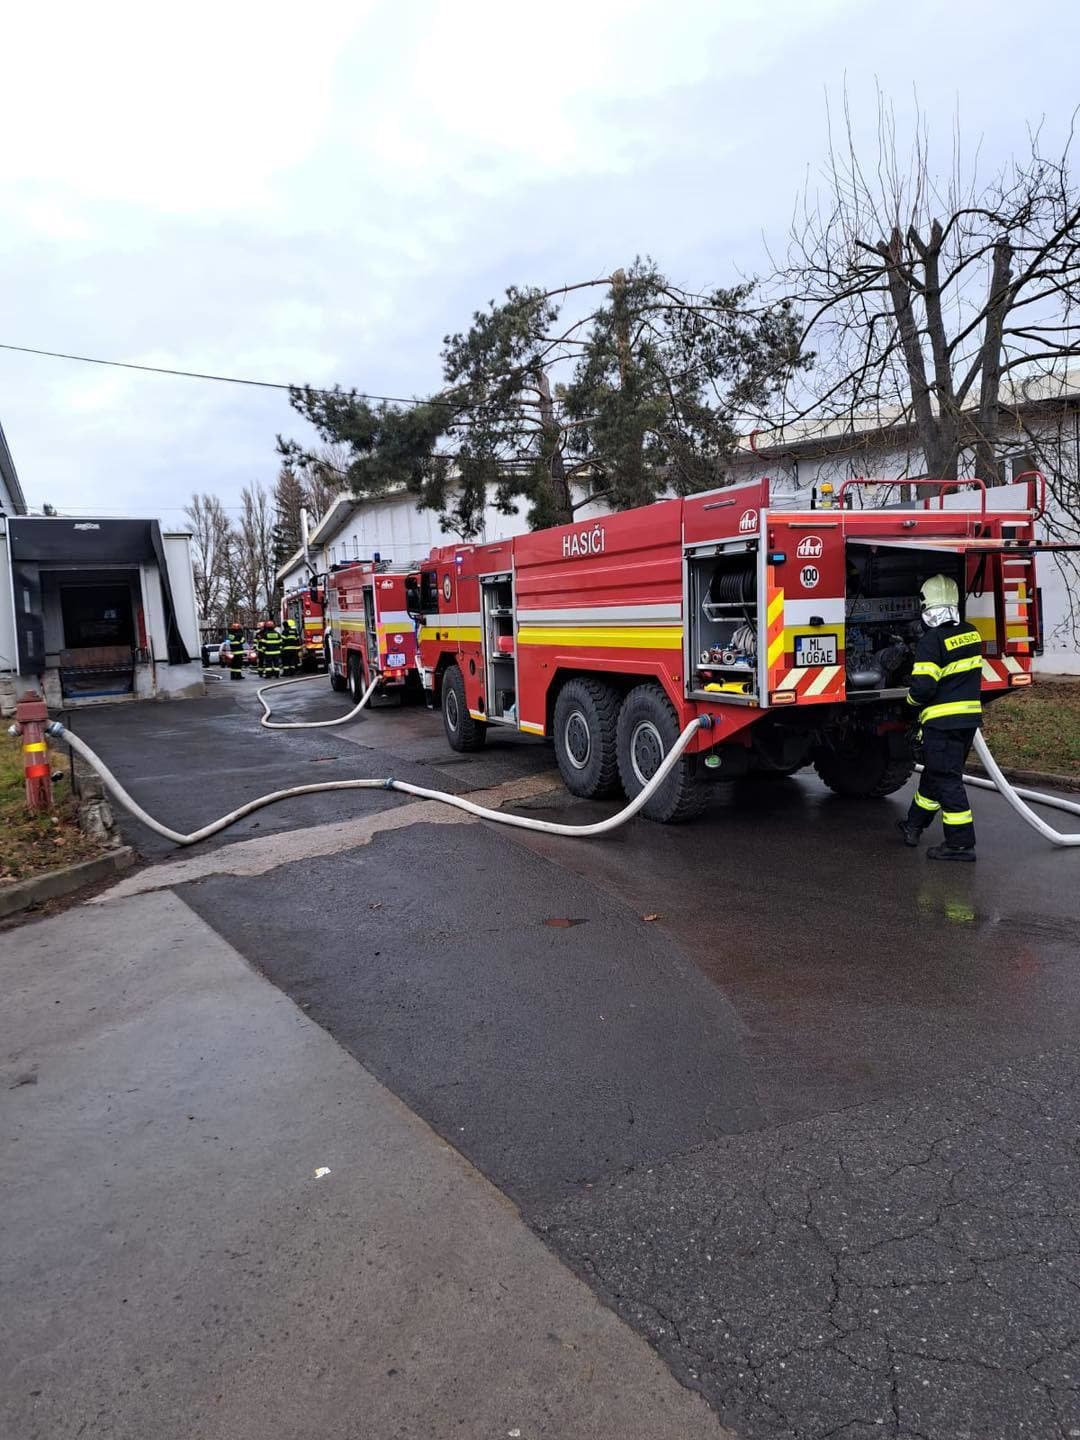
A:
x: 31, y: 717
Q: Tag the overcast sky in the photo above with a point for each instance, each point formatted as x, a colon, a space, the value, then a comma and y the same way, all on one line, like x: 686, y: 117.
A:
x: 320, y: 194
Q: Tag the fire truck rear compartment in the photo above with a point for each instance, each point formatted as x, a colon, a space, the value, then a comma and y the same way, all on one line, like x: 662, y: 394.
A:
x: 881, y: 613
x: 724, y: 625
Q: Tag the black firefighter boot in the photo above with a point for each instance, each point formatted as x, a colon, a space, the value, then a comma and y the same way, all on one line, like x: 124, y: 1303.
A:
x: 951, y: 852
x: 910, y: 830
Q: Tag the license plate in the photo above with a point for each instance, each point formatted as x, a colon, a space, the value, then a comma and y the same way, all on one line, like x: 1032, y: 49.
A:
x: 396, y: 658
x: 815, y: 649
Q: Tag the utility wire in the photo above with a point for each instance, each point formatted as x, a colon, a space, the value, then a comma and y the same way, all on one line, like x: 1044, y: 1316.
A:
x: 223, y: 379
x: 454, y: 405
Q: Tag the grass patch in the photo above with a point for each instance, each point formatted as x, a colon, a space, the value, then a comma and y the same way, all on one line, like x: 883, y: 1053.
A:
x: 1037, y: 729
x: 29, y: 843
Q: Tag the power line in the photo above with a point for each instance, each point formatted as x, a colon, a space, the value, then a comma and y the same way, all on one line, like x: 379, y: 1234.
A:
x: 222, y: 379
x: 260, y: 384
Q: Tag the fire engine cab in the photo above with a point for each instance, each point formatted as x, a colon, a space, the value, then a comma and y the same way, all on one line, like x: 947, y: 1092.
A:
x: 369, y: 629
x: 792, y: 630
x: 304, y: 606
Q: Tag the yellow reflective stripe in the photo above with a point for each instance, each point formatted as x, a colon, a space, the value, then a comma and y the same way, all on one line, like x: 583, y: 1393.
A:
x: 34, y: 745
x: 450, y: 632
x: 776, y: 605
x: 967, y: 637
x: 604, y: 637
x: 961, y: 667
x: 926, y: 667
x: 912, y: 701
x: 776, y: 649
x: 925, y: 803
x: 956, y: 707
x: 957, y: 817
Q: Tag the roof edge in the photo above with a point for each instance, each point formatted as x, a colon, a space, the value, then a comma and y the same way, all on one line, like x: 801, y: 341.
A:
x: 11, y: 479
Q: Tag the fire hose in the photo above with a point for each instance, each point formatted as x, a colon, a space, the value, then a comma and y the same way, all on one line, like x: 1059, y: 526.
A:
x: 269, y: 724
x: 520, y: 822
x: 1015, y: 796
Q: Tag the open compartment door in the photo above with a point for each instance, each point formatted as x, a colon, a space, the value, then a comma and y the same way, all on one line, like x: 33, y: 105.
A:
x: 724, y: 624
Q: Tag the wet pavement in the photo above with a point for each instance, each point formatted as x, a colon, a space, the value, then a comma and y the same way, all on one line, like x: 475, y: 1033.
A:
x: 812, y: 1130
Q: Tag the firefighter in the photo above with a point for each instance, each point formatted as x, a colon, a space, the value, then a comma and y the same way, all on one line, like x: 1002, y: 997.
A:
x: 260, y: 659
x: 271, y: 649
x: 236, y: 646
x: 946, y: 686
x: 290, y: 647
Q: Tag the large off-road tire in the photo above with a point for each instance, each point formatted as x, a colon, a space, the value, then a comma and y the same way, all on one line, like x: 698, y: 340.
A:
x: 648, y: 727
x: 338, y: 683
x: 863, y: 766
x: 586, y: 724
x: 357, y: 684
x: 462, y: 731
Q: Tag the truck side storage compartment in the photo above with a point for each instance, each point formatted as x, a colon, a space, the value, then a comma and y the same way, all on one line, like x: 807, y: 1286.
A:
x: 723, y: 622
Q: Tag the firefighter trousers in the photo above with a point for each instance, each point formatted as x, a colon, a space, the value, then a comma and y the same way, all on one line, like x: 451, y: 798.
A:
x: 941, y: 786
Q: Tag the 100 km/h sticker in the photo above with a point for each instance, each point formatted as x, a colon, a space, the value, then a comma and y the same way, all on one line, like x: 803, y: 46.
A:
x: 815, y: 649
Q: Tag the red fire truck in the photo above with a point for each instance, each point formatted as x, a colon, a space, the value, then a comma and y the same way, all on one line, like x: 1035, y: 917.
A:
x: 792, y: 630
x: 304, y: 606
x: 369, y: 628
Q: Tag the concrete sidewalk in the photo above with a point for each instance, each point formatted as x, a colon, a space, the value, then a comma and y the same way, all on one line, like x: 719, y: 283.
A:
x: 171, y: 1265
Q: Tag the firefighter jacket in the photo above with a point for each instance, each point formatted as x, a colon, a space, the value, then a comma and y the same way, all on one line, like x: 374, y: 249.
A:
x: 946, y: 679
x: 271, y: 642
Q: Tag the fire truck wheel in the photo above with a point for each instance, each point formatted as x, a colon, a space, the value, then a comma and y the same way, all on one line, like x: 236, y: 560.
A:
x: 357, y: 684
x: 862, y: 767
x: 586, y: 722
x: 648, y: 728
x: 337, y: 682
x: 462, y: 731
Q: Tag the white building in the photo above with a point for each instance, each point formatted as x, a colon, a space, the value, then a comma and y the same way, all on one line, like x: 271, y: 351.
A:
x: 392, y: 528
x: 93, y: 610
x: 803, y: 457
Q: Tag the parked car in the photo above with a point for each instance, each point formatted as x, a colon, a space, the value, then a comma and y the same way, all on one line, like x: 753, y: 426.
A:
x: 211, y: 654
x: 225, y: 655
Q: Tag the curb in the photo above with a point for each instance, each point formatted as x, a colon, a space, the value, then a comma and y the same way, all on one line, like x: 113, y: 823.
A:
x: 21, y: 894
x: 1031, y: 777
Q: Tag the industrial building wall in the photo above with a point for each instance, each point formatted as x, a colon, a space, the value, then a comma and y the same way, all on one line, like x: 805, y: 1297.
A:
x: 176, y: 680
x: 792, y: 481
x: 397, y: 531
x: 8, y: 648
x: 182, y: 579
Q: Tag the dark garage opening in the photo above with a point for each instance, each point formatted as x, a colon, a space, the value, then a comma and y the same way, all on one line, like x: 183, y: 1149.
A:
x: 98, y: 657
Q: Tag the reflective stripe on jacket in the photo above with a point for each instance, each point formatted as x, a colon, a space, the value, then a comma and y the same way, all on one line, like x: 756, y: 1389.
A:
x: 946, y: 679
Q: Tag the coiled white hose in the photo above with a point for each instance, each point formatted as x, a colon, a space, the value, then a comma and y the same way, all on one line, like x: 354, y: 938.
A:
x: 520, y: 822
x: 269, y: 724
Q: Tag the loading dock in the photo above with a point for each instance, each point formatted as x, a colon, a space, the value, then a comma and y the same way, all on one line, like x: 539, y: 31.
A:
x: 96, y: 610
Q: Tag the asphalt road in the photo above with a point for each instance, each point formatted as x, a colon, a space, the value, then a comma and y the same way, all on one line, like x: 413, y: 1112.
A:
x: 812, y: 1130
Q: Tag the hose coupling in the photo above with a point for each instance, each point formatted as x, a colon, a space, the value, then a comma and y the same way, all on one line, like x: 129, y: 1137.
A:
x: 55, y: 728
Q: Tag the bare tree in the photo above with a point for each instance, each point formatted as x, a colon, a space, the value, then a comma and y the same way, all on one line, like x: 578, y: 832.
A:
x: 936, y: 304
x: 254, y: 552
x: 210, y: 544
x: 233, y: 604
x: 326, y: 479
